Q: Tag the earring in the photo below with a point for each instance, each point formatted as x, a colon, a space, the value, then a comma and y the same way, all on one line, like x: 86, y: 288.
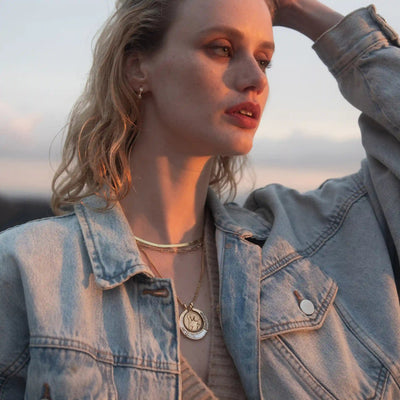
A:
x: 140, y: 95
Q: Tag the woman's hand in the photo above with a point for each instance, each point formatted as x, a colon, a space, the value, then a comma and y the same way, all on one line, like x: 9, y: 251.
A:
x: 309, y: 17
x: 279, y: 8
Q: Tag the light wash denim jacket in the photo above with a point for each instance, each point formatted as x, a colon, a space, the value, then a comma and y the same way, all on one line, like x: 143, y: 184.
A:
x: 308, y: 302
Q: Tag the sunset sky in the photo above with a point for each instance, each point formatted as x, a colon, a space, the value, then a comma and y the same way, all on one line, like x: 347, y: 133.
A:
x: 307, y: 135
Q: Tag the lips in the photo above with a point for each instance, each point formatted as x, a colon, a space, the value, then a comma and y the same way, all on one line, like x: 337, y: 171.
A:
x: 245, y: 115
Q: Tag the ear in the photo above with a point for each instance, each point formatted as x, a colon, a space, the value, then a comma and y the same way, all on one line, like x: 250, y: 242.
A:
x: 136, y: 72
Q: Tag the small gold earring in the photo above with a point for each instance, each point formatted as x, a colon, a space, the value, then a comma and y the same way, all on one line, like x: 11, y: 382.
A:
x: 140, y: 95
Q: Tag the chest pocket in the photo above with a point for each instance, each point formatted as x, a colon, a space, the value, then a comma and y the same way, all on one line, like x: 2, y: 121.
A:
x: 68, y: 372
x: 310, y: 348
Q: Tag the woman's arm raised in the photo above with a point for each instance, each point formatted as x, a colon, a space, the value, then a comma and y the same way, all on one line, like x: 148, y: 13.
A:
x: 363, y: 54
x: 309, y: 17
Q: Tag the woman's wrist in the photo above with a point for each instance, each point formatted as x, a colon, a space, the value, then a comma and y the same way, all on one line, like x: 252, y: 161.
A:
x: 309, y: 17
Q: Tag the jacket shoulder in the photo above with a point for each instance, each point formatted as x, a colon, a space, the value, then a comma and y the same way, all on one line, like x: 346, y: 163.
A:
x: 325, y: 200
x: 34, y: 236
x: 305, y: 218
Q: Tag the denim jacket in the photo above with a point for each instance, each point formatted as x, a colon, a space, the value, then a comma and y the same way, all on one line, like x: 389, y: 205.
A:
x: 308, y: 301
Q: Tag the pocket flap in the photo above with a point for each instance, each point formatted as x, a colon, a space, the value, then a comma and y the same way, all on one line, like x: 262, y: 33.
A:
x: 296, y: 297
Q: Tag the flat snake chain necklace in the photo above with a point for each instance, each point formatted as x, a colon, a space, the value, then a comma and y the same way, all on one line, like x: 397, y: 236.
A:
x: 171, y: 248
x: 193, y: 322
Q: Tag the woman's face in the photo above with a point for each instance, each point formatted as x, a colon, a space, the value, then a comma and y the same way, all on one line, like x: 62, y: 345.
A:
x: 206, y: 87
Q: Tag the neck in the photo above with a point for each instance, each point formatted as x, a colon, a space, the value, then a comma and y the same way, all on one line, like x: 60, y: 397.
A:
x: 166, y: 202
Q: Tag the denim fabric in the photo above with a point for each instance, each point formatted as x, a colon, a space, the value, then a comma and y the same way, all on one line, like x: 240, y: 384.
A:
x: 308, y: 302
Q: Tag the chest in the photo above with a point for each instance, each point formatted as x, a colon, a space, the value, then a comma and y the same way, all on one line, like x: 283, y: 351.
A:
x: 105, y: 342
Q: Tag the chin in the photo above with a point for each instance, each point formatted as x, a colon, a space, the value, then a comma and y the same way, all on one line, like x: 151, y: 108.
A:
x: 240, y: 148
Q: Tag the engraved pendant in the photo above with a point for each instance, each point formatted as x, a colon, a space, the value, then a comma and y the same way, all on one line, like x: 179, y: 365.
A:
x: 193, y: 323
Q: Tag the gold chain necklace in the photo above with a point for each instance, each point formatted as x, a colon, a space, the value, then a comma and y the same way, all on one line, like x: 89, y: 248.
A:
x: 192, y: 321
x: 171, y: 248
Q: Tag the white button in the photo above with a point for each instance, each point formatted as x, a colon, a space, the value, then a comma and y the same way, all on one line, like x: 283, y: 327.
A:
x: 307, y: 307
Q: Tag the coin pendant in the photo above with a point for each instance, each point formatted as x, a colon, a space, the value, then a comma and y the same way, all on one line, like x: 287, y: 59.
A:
x: 193, y: 323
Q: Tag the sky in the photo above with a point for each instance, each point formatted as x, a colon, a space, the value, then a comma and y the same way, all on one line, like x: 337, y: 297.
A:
x: 308, y: 132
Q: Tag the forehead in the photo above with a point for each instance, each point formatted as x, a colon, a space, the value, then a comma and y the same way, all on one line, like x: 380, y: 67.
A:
x: 251, y: 17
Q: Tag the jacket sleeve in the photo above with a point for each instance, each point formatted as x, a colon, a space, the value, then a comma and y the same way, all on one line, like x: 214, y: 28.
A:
x: 362, y: 52
x: 14, y: 336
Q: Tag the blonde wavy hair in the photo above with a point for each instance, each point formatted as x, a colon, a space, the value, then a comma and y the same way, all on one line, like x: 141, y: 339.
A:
x: 105, y: 120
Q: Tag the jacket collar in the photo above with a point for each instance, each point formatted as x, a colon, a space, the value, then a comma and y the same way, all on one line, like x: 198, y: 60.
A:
x: 112, y: 248
x: 237, y: 220
x: 110, y: 243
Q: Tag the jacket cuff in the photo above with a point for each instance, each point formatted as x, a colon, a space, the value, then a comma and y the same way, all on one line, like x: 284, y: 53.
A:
x: 353, y: 35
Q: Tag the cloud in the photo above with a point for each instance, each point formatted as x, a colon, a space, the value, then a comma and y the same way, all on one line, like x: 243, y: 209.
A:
x: 15, y: 125
x: 304, y: 151
x: 19, y: 135
x: 301, y: 161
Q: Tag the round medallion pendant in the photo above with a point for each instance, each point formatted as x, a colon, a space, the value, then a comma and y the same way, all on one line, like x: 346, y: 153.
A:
x: 193, y: 323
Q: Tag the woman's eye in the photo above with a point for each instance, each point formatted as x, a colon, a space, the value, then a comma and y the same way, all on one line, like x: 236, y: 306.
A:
x: 264, y: 64
x: 226, y: 51
x: 222, y: 51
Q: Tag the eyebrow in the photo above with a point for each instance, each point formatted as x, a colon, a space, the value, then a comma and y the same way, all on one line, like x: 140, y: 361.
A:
x: 234, y: 32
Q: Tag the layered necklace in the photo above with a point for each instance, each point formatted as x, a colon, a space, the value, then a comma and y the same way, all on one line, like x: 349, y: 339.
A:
x: 193, y: 322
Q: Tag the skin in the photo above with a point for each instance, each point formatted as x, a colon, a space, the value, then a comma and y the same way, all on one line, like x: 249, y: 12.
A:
x: 309, y: 17
x: 188, y: 85
x: 212, y: 69
x: 201, y: 71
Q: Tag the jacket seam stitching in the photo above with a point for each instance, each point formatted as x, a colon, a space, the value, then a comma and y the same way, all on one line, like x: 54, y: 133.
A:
x: 15, y: 367
x: 19, y: 362
x: 280, y: 345
x: 328, y: 233
x: 353, y: 61
x: 382, y: 382
x: 325, y: 305
x: 336, y: 224
x: 375, y: 102
x: 356, y: 330
x: 99, y: 356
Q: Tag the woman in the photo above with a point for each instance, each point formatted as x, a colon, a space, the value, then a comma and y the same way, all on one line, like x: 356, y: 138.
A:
x: 149, y: 287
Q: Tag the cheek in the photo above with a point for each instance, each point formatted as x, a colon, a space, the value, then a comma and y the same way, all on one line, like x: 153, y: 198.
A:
x: 192, y: 78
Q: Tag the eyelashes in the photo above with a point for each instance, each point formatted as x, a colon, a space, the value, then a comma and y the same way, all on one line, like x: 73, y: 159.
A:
x: 265, y: 64
x: 224, y: 50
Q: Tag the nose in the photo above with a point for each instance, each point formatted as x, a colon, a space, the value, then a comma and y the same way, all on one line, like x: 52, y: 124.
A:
x: 250, y: 77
